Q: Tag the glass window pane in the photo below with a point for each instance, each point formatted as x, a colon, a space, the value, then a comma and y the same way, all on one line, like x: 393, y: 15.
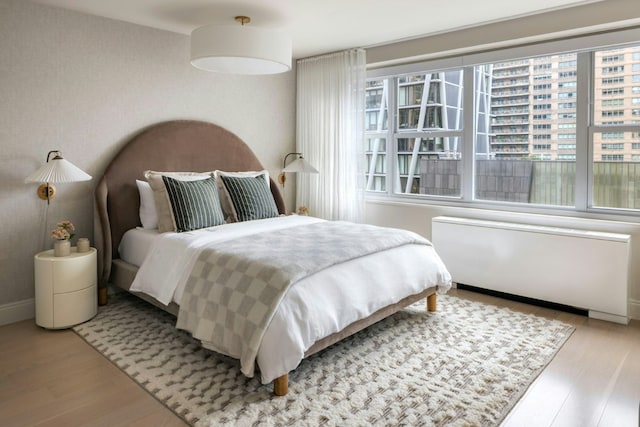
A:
x: 442, y: 107
x: 430, y: 104
x: 429, y: 166
x: 376, y: 158
x: 616, y: 170
x: 613, y: 87
x: 376, y: 123
x: 376, y: 114
x: 616, y: 161
x: 531, y: 149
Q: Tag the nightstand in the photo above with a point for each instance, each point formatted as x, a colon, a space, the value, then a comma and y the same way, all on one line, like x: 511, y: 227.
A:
x: 66, y: 288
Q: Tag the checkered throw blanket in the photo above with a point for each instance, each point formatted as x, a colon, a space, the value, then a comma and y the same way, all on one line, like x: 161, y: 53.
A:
x: 235, y: 288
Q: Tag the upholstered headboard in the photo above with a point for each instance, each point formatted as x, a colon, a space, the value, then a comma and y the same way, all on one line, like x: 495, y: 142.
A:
x: 180, y: 145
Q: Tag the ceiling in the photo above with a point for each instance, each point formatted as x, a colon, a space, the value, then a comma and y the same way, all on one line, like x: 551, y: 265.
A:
x: 319, y: 26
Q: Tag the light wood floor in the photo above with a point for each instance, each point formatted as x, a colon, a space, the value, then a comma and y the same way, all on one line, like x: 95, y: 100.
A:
x: 53, y: 378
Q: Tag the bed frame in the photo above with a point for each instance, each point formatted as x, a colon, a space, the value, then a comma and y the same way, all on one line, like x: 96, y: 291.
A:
x: 195, y: 146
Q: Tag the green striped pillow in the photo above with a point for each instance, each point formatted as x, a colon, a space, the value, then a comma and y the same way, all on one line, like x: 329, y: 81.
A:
x: 250, y: 196
x: 194, y: 204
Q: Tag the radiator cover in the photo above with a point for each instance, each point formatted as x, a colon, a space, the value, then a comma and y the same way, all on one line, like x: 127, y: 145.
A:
x: 584, y: 269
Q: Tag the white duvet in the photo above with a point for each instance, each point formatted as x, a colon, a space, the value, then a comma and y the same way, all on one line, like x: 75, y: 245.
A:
x: 314, y: 307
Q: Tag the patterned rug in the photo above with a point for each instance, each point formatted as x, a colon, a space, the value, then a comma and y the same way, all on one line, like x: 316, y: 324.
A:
x: 465, y: 365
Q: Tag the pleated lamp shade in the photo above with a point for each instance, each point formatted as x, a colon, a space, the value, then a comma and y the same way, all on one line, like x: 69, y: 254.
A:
x: 58, y: 169
x: 300, y: 165
x: 55, y: 170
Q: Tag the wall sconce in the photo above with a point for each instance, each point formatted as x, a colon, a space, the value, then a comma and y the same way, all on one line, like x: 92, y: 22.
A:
x: 56, y: 170
x: 299, y: 165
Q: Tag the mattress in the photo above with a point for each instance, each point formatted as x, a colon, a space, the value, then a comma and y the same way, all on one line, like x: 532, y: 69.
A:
x: 136, y: 244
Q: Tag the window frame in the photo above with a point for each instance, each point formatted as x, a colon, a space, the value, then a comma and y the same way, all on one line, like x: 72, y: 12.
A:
x: 584, y: 47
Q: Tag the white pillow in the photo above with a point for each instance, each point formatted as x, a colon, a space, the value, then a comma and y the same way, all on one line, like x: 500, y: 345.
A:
x: 166, y: 221
x: 148, y: 212
x: 225, y: 200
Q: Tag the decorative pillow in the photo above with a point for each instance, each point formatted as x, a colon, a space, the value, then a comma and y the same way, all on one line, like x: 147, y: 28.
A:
x: 160, y: 197
x: 250, y: 197
x: 148, y: 212
x: 225, y: 200
x: 194, y: 204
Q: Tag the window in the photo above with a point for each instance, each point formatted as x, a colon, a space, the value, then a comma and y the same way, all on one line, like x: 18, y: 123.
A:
x: 612, y: 102
x: 542, y: 77
x: 613, y: 113
x: 612, y: 92
x: 612, y: 80
x: 615, y: 69
x: 614, y: 173
x: 542, y: 96
x: 521, y: 125
x: 566, y: 74
x: 376, y: 128
x: 612, y: 135
x: 613, y: 146
x: 612, y: 58
x: 542, y: 106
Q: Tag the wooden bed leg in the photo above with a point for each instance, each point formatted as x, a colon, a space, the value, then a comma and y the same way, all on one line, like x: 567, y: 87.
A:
x: 432, y: 303
x: 102, y: 296
x: 281, y: 385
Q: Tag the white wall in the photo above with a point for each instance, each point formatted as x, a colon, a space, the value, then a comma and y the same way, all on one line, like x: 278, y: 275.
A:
x: 84, y: 84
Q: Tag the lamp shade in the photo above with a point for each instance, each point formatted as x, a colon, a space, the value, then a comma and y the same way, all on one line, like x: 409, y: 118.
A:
x: 300, y: 165
x: 58, y: 170
x: 240, y: 50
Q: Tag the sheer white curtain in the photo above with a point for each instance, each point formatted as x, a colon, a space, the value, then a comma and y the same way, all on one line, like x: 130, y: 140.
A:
x: 330, y: 134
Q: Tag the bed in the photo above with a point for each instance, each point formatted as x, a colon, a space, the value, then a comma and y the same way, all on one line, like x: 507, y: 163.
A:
x: 319, y: 308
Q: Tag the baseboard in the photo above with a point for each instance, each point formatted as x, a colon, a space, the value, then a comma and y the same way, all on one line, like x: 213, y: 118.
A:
x: 634, y: 309
x: 17, y: 311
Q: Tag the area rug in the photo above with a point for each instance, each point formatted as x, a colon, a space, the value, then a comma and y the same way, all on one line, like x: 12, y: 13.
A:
x: 465, y: 365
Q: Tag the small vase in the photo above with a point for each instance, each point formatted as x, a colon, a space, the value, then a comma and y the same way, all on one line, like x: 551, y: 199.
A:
x: 62, y: 248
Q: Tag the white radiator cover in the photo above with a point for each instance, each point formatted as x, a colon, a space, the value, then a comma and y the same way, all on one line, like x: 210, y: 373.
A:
x: 583, y: 269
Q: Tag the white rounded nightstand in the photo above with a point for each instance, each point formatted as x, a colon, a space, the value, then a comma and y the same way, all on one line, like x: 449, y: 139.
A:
x: 66, y: 288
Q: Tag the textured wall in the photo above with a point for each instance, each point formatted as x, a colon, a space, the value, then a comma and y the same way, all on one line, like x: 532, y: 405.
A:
x: 84, y: 84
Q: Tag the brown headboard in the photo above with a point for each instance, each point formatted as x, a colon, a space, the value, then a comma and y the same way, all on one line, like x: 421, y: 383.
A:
x: 180, y: 145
